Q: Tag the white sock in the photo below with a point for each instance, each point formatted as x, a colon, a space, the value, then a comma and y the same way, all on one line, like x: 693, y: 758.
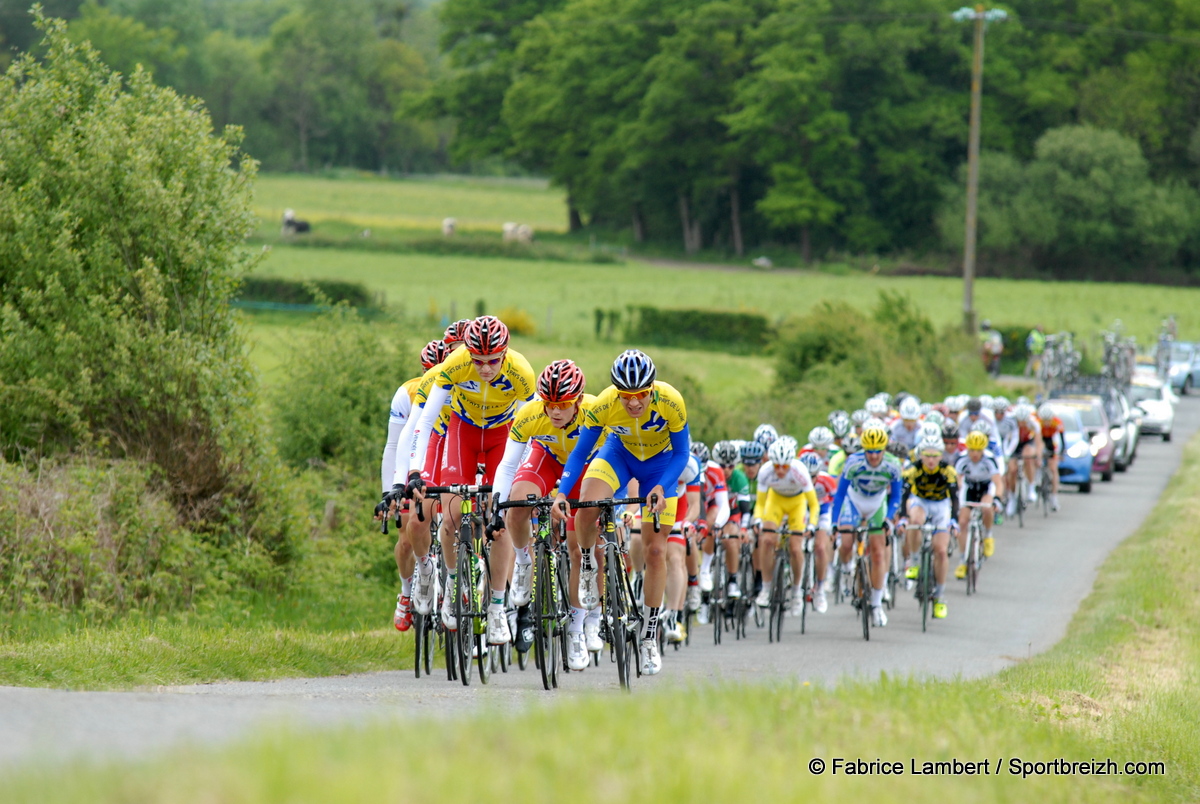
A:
x: 706, y: 562
x: 876, y: 598
x: 425, y: 564
x: 767, y: 587
x: 406, y: 586
x: 593, y: 615
x: 576, y: 624
x: 523, y: 556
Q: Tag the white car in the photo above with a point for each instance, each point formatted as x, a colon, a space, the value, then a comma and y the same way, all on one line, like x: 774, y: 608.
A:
x: 1157, y: 403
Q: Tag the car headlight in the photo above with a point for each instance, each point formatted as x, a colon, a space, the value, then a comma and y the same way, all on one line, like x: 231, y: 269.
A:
x: 1117, y: 433
x: 1176, y: 370
x: 1077, y: 450
x: 1099, y: 442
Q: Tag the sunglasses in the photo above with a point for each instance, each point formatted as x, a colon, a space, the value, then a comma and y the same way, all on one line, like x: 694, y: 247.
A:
x: 494, y: 361
x: 570, y: 403
x: 750, y: 463
x: 931, y: 454
x: 728, y: 465
x: 873, y: 451
x: 633, y: 394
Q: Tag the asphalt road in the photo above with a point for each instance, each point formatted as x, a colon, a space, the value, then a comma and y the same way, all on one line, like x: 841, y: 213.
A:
x: 1027, y: 595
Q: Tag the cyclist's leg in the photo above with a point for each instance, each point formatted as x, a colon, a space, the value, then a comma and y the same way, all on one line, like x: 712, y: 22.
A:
x: 733, y: 547
x: 676, y: 571
x: 912, y: 534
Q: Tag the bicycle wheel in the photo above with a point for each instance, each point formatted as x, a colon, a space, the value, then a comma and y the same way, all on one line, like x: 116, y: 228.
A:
x: 806, y: 588
x: 543, y: 635
x: 614, y: 600
x: 1022, y: 491
x: 861, y: 591
x: 716, y: 598
x: 562, y: 574
x: 894, y: 573
x: 973, y: 558
x: 924, y: 584
x: 775, y: 606
x: 485, y: 654
x: 463, y: 595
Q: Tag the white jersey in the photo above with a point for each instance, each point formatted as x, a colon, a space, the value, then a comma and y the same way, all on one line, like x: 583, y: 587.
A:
x: 689, y: 475
x: 976, y: 472
x: 796, y: 480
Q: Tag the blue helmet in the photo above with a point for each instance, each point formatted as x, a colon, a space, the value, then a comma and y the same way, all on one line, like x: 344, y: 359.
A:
x: 633, y: 370
x: 812, y: 461
x: 765, y: 434
x: 753, y: 452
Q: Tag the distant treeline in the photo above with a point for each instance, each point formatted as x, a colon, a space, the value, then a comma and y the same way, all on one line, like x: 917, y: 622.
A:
x: 832, y: 126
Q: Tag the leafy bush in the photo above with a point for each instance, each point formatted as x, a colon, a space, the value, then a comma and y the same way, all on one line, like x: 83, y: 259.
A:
x: 518, y: 321
x: 94, y: 536
x: 124, y: 220
x: 333, y: 404
x: 291, y: 291
x: 705, y: 329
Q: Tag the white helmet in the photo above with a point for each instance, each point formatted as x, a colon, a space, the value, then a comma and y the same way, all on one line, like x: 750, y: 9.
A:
x: 986, y: 401
x: 791, y: 442
x: 936, y: 417
x: 910, y: 409
x: 955, y: 404
x: 876, y: 406
x: 820, y: 437
x: 782, y: 452
x: 1045, y: 412
x: 999, y: 403
x: 1022, y: 412
x: 925, y: 408
x: 765, y: 434
x: 931, y: 430
x: 874, y: 422
x: 931, y: 442
x: 859, y: 416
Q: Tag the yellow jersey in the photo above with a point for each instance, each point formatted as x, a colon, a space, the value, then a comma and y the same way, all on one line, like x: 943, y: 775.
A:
x: 648, y: 434
x: 491, y: 404
x: 532, y: 424
x: 421, y: 395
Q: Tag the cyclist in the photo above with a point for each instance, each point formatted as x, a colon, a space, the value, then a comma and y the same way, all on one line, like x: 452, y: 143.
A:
x: 1035, y: 344
x: 683, y: 587
x: 543, y: 433
x: 648, y: 441
x: 785, y: 488
x: 1007, y: 432
x: 483, y: 383
x: 981, y: 481
x: 869, y: 491
x: 402, y: 404
x: 717, y: 508
x: 840, y: 424
x: 950, y: 442
x: 1026, y: 456
x: 766, y: 434
x: 822, y: 444
x: 825, y: 485
x: 975, y: 417
x: 931, y: 495
x: 906, y: 431
x: 1054, y: 441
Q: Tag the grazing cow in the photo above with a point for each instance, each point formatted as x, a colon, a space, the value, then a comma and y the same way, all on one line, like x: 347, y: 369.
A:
x: 448, y: 225
x: 510, y: 232
x: 524, y: 233
x: 293, y: 225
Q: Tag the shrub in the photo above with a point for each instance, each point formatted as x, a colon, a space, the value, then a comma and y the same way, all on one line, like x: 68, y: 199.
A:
x: 95, y: 536
x: 518, y: 321
x: 291, y: 291
x: 124, y: 221
x: 333, y: 404
x: 705, y: 329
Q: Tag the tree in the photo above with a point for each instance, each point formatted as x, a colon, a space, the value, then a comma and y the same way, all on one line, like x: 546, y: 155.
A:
x: 125, y: 219
x: 126, y: 43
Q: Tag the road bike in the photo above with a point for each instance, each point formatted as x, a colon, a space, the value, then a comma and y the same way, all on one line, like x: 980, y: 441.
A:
x: 472, y: 585
x: 973, y: 546
x: 548, y: 589
x: 860, y: 590
x: 924, y: 591
x: 621, y: 617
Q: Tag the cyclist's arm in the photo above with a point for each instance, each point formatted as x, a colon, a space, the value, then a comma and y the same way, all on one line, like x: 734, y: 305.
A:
x: 679, y: 457
x: 694, y: 504
x: 721, y: 516
x: 507, y: 470
x: 404, y: 448
x: 814, y: 507
x: 429, y: 415
x: 760, y: 502
x: 588, y: 436
x: 839, y: 497
x: 954, y: 501
x: 894, y: 498
x: 398, y: 417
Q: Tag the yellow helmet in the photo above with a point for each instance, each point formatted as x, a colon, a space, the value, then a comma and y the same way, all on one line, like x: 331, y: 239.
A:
x: 874, y: 438
x: 977, y: 440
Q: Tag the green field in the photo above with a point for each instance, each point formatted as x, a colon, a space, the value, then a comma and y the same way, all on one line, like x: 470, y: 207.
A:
x: 1122, y: 685
x: 417, y: 203
x: 569, y: 294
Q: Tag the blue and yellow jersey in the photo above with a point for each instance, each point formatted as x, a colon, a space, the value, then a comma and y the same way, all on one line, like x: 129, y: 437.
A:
x: 648, y: 434
x: 532, y: 424
x: 491, y: 404
x: 421, y: 396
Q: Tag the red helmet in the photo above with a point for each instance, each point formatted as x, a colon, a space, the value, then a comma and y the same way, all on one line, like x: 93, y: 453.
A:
x: 434, y: 352
x: 454, y: 332
x: 561, y: 381
x: 486, y: 335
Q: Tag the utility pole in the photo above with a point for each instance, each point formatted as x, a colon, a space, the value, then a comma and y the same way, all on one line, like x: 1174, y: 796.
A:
x: 979, y: 17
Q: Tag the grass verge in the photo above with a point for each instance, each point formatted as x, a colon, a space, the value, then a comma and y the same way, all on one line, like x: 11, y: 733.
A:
x: 1121, y: 686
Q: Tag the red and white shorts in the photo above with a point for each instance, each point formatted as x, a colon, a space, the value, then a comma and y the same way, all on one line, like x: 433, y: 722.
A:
x: 466, y: 447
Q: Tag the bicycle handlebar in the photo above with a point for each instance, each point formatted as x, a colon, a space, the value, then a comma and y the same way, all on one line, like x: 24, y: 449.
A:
x: 611, y: 503
x: 532, y: 501
x: 459, y: 489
